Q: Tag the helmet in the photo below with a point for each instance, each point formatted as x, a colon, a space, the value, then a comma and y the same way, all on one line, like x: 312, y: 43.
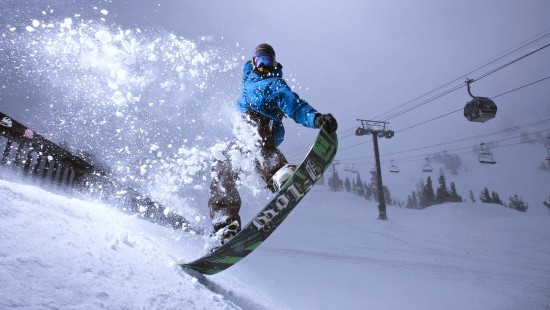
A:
x: 264, y: 48
x: 264, y: 58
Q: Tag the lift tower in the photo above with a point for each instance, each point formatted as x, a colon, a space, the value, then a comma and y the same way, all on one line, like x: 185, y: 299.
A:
x: 377, y: 129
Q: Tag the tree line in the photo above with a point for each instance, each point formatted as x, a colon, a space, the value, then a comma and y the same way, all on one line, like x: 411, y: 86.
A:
x: 515, y: 202
x: 357, y: 186
x: 424, y: 195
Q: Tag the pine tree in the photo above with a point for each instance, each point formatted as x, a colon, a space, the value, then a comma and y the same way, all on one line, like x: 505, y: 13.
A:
x: 347, y: 185
x: 412, y: 201
x: 369, y: 191
x: 334, y: 181
x: 471, y: 196
x: 420, y: 194
x: 547, y: 203
x: 455, y: 197
x: 387, y: 195
x: 442, y: 193
x: 485, y: 196
x: 374, y: 184
x: 374, y: 178
x: 428, y: 193
x: 517, y: 203
x: 496, y: 199
x: 360, y: 187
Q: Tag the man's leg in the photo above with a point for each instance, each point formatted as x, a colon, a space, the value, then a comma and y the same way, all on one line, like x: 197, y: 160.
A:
x: 273, y: 161
x: 272, y: 158
x: 225, y: 201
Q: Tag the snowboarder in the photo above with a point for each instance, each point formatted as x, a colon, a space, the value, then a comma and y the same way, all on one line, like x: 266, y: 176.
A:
x: 264, y: 101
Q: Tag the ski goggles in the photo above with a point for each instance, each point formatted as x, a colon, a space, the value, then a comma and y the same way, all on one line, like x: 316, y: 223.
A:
x: 264, y: 60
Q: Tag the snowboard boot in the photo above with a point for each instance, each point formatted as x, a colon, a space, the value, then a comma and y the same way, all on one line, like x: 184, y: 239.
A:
x: 224, y: 231
x: 280, y: 177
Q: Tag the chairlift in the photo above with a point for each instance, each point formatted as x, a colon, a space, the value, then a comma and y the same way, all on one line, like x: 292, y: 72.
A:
x: 479, y: 109
x: 486, y: 157
x: 393, y: 168
x: 427, y: 167
x: 353, y: 169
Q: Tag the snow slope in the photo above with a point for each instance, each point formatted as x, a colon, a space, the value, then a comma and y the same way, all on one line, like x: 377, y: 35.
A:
x: 59, y: 252
x: 62, y: 252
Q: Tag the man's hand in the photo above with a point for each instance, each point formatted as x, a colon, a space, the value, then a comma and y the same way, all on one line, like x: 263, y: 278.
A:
x: 327, y: 119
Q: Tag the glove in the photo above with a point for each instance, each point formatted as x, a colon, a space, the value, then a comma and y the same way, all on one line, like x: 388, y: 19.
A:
x: 326, y: 119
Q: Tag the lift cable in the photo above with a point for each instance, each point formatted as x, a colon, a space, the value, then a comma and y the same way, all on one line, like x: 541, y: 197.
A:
x: 446, y: 114
x: 423, y: 156
x: 537, y: 123
x: 515, y: 89
x: 476, y: 137
x: 466, y: 74
x: 417, y: 158
x: 462, y: 85
x: 455, y: 111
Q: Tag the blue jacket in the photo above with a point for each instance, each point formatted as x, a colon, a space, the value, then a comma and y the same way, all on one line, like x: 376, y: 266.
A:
x: 272, y: 97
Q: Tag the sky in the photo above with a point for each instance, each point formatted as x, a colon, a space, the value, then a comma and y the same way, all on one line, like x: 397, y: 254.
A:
x: 354, y: 59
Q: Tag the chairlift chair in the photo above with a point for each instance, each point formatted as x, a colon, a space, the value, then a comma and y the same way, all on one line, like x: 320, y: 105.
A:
x: 479, y: 109
x: 427, y: 167
x: 486, y: 157
x: 393, y: 168
x: 353, y: 169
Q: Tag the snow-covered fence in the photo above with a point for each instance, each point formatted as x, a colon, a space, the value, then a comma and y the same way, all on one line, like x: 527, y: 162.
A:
x: 35, y: 156
x: 31, y: 155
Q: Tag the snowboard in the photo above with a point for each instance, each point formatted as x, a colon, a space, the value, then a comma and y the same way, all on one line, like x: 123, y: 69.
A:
x: 272, y: 215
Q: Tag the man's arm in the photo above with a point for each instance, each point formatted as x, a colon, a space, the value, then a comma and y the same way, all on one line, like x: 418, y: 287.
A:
x: 292, y: 105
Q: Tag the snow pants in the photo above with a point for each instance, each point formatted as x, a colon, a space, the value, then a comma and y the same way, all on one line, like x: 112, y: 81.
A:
x: 225, y: 201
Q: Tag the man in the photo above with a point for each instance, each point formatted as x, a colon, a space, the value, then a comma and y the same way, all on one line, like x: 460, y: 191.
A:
x: 265, y: 100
